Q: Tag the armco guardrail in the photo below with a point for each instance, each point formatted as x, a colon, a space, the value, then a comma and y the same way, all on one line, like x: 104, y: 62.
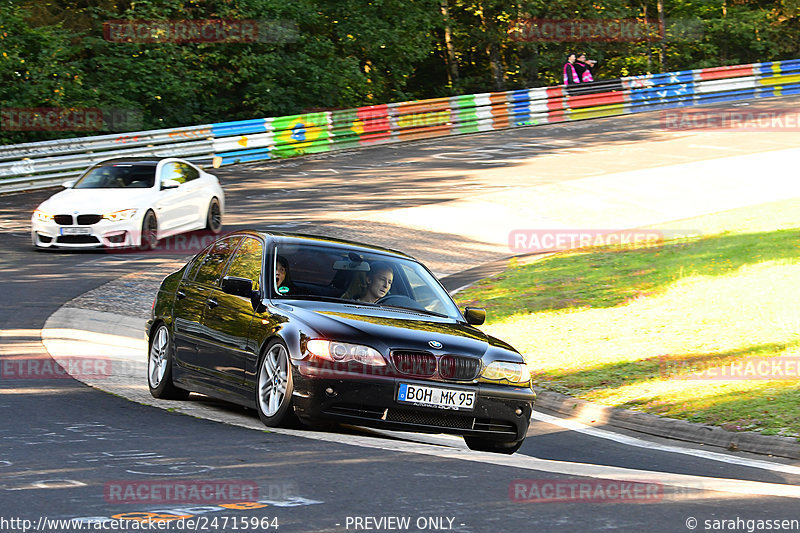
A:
x: 44, y: 164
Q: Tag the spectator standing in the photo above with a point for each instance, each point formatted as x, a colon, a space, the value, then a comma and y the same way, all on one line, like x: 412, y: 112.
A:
x: 570, y: 73
x: 583, y: 68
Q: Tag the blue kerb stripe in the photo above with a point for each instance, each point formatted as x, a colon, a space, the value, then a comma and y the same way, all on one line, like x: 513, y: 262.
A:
x: 241, y: 127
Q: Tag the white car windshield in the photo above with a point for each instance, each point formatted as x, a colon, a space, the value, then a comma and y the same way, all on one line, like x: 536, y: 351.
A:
x: 118, y: 176
x: 337, y: 274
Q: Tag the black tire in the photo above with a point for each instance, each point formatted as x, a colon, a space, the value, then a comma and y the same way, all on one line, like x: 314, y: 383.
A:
x: 214, y: 217
x: 149, y: 238
x: 159, y: 366
x: 485, y: 445
x: 274, y: 387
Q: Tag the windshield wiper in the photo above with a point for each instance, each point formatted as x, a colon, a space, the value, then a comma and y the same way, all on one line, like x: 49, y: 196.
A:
x: 421, y: 311
x: 358, y: 303
x: 311, y: 297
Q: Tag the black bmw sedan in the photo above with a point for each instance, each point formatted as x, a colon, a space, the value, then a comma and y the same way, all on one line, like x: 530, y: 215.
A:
x: 309, y: 329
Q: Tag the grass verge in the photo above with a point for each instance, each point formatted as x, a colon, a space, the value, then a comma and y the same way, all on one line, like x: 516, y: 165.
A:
x: 661, y: 329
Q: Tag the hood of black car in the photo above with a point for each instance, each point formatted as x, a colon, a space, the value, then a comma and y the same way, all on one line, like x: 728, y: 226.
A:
x: 388, y: 329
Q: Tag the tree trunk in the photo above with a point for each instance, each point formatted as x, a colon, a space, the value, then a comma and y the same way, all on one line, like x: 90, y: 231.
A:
x: 662, y: 30
x: 528, y: 56
x: 492, y: 49
x: 647, y: 37
x: 450, y: 58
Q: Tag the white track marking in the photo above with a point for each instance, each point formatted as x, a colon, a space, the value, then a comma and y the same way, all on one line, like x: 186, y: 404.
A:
x: 572, y: 425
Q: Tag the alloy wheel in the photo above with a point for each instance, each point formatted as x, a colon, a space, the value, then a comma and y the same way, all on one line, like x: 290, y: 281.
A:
x: 273, y: 380
x: 157, y: 364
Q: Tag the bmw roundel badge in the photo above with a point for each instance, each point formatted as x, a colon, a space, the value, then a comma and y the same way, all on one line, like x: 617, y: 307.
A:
x: 435, y: 344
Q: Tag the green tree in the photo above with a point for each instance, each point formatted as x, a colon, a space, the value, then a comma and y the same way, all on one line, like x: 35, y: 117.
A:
x: 333, y: 54
x: 38, y: 68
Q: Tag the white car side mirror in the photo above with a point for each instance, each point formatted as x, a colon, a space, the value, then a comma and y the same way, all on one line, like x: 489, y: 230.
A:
x: 68, y: 184
x: 170, y: 184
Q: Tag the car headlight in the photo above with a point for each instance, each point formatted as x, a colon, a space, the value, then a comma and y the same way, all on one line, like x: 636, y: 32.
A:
x: 500, y: 371
x: 342, y: 352
x: 116, y: 216
x: 41, y: 216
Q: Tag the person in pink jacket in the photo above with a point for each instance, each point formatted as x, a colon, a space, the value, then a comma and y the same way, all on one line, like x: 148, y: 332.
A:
x: 570, y: 73
x: 583, y: 67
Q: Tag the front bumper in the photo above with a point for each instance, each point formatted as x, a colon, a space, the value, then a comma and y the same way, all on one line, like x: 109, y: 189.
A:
x: 371, y: 401
x: 104, y: 233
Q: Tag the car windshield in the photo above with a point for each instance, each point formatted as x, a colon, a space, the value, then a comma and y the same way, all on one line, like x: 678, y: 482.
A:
x: 118, y: 176
x: 304, y: 271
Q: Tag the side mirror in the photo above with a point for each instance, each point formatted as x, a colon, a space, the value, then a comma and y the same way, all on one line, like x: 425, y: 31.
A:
x: 475, y: 315
x: 68, y: 184
x: 170, y: 184
x: 237, y: 286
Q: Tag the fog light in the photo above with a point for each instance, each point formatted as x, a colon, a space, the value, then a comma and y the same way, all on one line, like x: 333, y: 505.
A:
x: 330, y: 392
x: 518, y: 412
x: 118, y: 238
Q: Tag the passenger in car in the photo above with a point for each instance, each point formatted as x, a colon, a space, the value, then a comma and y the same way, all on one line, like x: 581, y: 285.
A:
x: 379, y: 281
x: 283, y: 278
x: 357, y: 287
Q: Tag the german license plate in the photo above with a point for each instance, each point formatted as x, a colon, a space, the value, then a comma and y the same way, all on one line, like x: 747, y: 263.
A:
x: 457, y: 400
x: 76, y: 231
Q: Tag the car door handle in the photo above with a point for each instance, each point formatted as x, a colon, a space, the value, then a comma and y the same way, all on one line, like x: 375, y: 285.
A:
x: 180, y: 295
x: 212, y: 303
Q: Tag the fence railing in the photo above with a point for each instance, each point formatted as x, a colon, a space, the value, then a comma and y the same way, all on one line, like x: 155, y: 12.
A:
x: 48, y: 163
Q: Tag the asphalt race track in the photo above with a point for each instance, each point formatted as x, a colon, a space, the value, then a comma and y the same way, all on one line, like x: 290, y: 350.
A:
x: 68, y: 451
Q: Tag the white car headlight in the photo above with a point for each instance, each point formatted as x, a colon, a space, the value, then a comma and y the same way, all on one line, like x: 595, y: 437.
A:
x: 342, y: 352
x: 500, y: 371
x: 116, y: 216
x: 42, y: 216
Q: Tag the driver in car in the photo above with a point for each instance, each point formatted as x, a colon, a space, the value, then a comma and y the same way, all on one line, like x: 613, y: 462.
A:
x: 379, y: 281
